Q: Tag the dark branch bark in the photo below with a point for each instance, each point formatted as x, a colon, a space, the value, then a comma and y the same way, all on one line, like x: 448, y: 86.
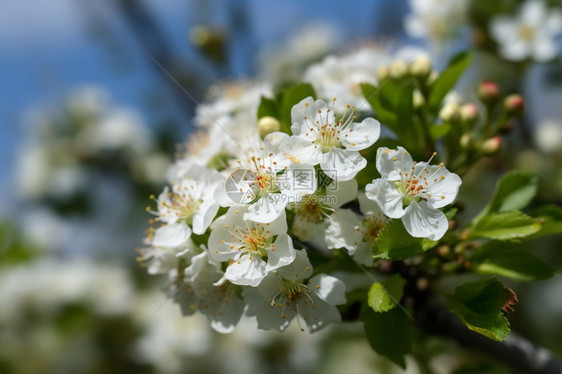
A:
x: 516, y: 351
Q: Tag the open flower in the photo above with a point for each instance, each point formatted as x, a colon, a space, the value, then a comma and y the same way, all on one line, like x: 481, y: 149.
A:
x: 532, y: 33
x: 251, y: 248
x: 318, y: 138
x: 191, y: 199
x: 265, y: 181
x: 285, y: 294
x: 414, y: 192
x: 313, y: 212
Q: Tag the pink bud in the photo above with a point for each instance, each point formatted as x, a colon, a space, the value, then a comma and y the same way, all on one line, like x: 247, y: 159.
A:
x: 492, y: 146
x: 514, y: 104
x: 488, y: 91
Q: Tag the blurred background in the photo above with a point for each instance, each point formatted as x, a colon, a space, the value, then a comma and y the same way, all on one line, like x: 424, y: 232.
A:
x: 97, y: 96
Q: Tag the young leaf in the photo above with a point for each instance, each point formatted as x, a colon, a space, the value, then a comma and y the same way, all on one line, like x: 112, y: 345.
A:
x: 551, y: 218
x: 514, y: 263
x: 448, y: 79
x: 293, y: 95
x: 394, y: 242
x: 384, y: 296
x: 268, y: 107
x: 389, y: 334
x: 479, y: 305
x: 505, y: 226
x: 514, y: 191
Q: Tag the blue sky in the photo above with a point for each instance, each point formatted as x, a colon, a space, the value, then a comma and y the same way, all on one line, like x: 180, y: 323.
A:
x: 47, y: 48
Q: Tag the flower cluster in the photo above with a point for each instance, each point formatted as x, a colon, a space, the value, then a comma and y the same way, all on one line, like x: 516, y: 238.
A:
x: 252, y: 198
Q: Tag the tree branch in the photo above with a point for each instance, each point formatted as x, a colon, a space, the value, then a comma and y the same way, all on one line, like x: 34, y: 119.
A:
x: 516, y: 351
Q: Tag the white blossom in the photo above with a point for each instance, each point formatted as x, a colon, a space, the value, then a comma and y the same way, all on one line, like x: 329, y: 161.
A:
x: 436, y: 20
x: 530, y: 34
x: 251, y: 248
x: 318, y: 138
x: 413, y: 192
x: 286, y: 294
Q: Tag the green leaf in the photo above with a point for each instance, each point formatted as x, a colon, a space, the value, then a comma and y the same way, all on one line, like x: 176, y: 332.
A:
x: 389, y: 334
x: 448, y: 79
x: 551, y: 218
x: 292, y: 96
x: 505, y: 226
x: 392, y: 102
x: 479, y: 305
x: 394, y: 242
x: 268, y: 107
x: 384, y: 296
x: 514, y: 191
x: 496, y: 258
x: 439, y: 131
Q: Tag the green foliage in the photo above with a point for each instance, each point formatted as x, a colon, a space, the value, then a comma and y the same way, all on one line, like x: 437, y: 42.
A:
x: 384, y: 296
x: 448, y: 79
x: 389, y: 333
x: 13, y: 248
x: 292, y: 96
x: 551, y: 218
x: 393, y: 106
x: 505, y: 226
x: 439, y: 131
x: 514, y: 191
x: 268, y: 107
x: 515, y: 263
x: 394, y: 242
x: 479, y: 305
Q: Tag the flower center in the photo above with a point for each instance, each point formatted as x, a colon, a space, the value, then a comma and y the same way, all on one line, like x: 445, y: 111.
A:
x: 182, y: 205
x: 372, y: 226
x: 325, y: 129
x: 295, y: 296
x: 527, y: 32
x: 415, y: 186
x: 254, y: 240
x: 312, y: 209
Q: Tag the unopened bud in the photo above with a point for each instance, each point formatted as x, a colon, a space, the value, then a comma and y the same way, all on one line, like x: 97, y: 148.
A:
x: 492, y: 146
x: 469, y: 113
x: 383, y: 73
x: 267, y: 125
x: 465, y: 141
x: 514, y: 104
x: 399, y: 69
x: 449, y: 113
x: 432, y: 77
x: 418, y: 100
x: 488, y: 91
x: 421, y: 67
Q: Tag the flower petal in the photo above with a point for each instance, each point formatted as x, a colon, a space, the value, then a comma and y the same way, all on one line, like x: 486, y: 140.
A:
x: 248, y: 270
x: 361, y: 135
x: 342, y: 230
x: 171, y: 235
x: 267, y: 209
x: 385, y: 194
x: 328, y: 288
x: 342, y: 164
x: 421, y: 221
x: 391, y: 162
x: 281, y: 254
x: 302, y: 150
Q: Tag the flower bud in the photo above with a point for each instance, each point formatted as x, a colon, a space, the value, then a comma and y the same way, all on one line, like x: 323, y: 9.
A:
x: 267, y: 125
x: 383, y: 73
x: 421, y: 67
x: 418, y: 100
x: 488, y: 91
x: 514, y: 104
x: 492, y: 146
x: 449, y: 113
x: 465, y: 141
x: 469, y: 113
x: 432, y: 77
x: 399, y: 69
